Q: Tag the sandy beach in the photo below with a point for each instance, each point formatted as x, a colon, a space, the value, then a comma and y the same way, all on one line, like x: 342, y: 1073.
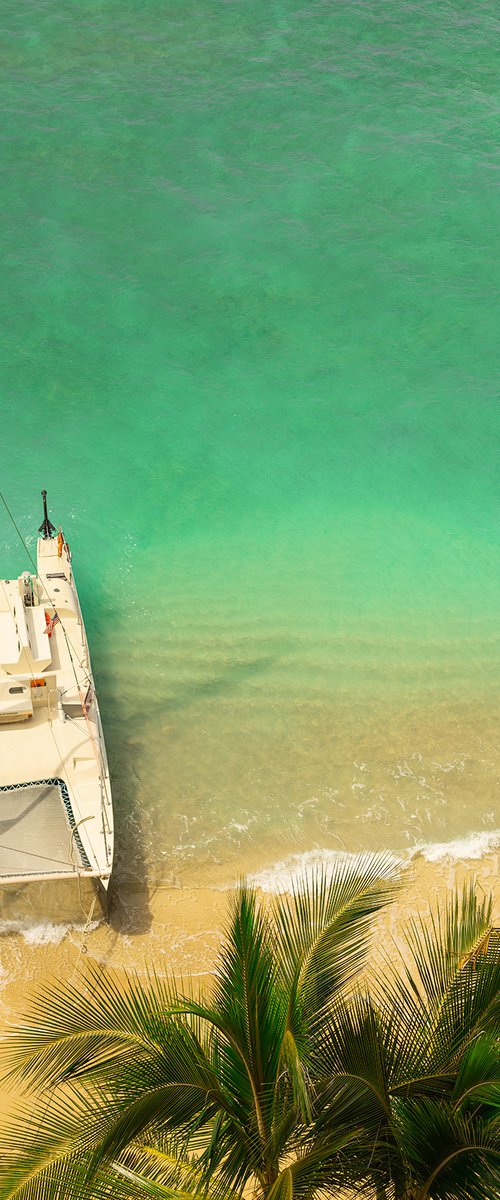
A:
x: 179, y: 929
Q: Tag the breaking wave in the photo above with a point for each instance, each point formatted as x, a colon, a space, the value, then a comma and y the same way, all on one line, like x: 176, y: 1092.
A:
x: 282, y: 875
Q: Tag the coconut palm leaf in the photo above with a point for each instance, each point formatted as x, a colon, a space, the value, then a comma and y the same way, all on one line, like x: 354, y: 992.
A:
x: 324, y: 1168
x: 64, y: 1178
x: 134, y: 1175
x: 247, y: 1010
x: 352, y: 1083
x: 436, y: 996
x: 477, y: 1080
x: 323, y: 928
x: 70, y: 1031
x: 471, y: 1005
x: 51, y: 1155
x: 448, y: 1156
x: 351, y: 1049
x: 439, y: 944
x: 282, y: 1076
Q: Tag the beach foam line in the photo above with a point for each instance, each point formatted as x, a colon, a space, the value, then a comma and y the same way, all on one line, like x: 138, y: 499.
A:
x: 284, y: 875
x: 300, y: 868
x: 43, y: 933
x: 471, y: 847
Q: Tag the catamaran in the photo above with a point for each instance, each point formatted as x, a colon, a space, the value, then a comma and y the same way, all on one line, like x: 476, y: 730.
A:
x: 56, y: 815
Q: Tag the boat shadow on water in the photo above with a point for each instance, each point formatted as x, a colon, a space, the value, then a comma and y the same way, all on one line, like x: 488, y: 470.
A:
x: 127, y: 908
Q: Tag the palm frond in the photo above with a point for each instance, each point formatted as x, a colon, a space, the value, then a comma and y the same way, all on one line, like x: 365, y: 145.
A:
x: 175, y: 1090
x: 247, y: 1012
x: 323, y: 1167
x: 323, y: 928
x: 47, y: 1155
x: 351, y: 1047
x: 437, y: 1001
x: 297, y: 1077
x: 70, y: 1030
x: 139, y: 1172
x: 164, y: 1163
x: 477, y: 1081
x: 440, y: 944
x: 471, y: 1006
x: 246, y: 993
x: 448, y: 1157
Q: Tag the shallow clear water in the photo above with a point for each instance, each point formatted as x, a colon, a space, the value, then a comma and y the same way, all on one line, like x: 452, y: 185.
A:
x: 250, y: 346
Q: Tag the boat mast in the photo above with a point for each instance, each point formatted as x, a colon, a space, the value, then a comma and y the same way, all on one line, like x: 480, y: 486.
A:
x: 47, y: 529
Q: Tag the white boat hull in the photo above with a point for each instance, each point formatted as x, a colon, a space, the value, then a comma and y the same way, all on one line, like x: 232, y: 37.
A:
x: 56, y: 815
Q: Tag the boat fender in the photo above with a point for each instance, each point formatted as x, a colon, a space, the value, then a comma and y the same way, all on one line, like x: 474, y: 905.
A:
x: 60, y: 543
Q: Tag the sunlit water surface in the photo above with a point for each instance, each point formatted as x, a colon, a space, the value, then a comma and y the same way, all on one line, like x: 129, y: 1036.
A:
x: 250, y: 323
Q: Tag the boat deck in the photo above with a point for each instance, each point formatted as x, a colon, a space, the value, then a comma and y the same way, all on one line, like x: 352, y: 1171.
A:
x: 55, y: 802
x: 39, y: 815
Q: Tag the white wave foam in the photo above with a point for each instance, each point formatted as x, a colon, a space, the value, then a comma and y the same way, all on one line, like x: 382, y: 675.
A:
x: 44, y: 934
x: 473, y: 846
x: 282, y: 875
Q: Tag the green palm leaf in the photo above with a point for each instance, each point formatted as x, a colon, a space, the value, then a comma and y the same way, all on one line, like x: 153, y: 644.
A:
x: 323, y: 929
x: 435, y: 998
x: 68, y: 1031
x: 449, y: 1157
x: 439, y: 944
x: 477, y: 1081
x: 282, y: 1076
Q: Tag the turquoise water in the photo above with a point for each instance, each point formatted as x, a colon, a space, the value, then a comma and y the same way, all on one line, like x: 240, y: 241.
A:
x: 250, y: 319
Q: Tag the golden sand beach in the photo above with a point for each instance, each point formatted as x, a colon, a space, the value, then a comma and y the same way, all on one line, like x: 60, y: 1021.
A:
x: 179, y: 929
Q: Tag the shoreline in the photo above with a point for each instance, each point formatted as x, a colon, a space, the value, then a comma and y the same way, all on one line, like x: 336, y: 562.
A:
x: 178, y: 928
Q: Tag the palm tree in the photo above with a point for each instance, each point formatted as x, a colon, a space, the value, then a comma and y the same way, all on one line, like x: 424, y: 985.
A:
x: 228, y: 1075
x: 419, y: 1058
x: 287, y: 1077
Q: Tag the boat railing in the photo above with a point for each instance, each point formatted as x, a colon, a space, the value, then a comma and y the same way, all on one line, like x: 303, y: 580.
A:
x: 60, y: 708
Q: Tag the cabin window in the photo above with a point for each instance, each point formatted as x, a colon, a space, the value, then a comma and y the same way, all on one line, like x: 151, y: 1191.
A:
x: 16, y: 691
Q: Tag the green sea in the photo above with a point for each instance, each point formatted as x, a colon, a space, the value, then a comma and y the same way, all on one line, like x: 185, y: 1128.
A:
x: 250, y: 330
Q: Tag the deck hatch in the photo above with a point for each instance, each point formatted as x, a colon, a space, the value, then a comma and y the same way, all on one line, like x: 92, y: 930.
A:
x: 38, y: 830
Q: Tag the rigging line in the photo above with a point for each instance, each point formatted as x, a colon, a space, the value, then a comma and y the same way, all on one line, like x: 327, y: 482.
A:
x: 18, y: 531
x: 47, y: 593
x: 96, y: 747
x: 71, y: 784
